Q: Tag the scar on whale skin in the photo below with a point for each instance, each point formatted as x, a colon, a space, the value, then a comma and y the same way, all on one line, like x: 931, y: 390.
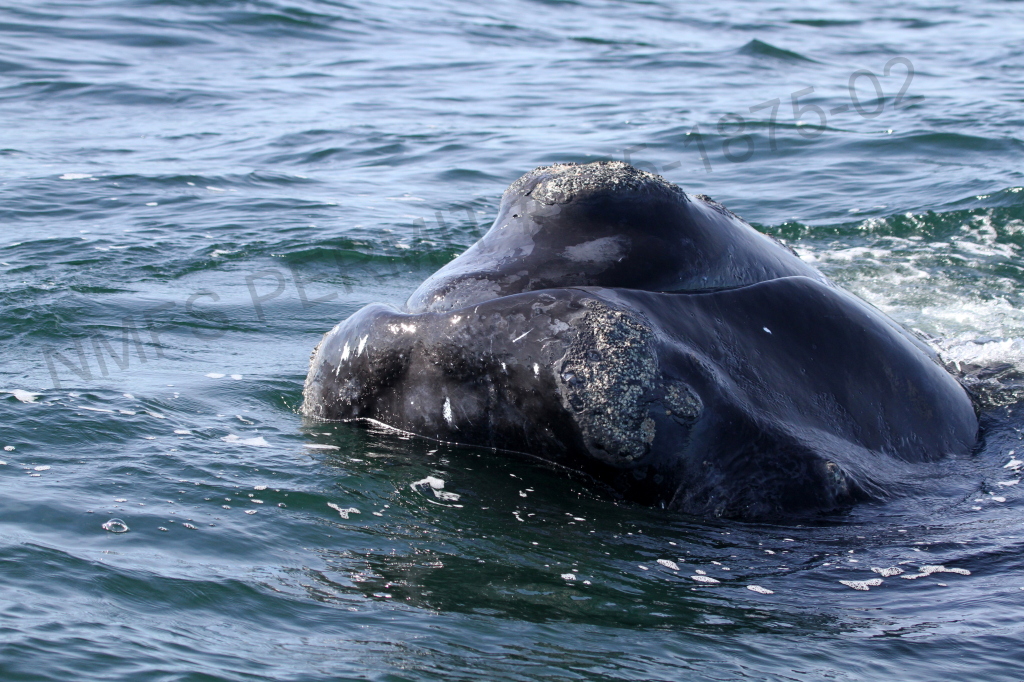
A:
x: 612, y: 324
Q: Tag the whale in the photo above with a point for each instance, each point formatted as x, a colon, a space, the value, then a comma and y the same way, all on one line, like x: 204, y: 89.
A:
x: 610, y: 324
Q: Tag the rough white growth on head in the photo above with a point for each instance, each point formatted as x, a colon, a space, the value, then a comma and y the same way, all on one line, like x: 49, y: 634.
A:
x: 362, y: 345
x: 565, y: 182
x: 345, y: 352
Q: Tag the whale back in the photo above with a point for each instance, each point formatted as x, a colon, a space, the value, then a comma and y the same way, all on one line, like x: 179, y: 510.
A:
x: 606, y: 224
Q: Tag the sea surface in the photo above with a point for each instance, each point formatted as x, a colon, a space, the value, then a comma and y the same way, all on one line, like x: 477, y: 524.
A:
x: 193, y: 191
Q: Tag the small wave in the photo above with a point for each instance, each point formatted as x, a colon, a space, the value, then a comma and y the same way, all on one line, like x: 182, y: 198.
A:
x: 758, y: 48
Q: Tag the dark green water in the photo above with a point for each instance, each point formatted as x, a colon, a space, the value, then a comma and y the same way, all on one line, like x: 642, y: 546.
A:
x: 192, y: 192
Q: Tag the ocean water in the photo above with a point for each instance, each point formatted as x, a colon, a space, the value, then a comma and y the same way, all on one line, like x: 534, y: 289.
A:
x: 193, y: 191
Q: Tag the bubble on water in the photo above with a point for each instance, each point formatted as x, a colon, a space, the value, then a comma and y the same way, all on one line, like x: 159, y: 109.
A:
x: 189, y: 525
x: 259, y: 487
x: 668, y: 563
x: 183, y: 432
x: 115, y: 526
x: 862, y: 585
x: 250, y: 511
x: 161, y: 528
x: 254, y: 501
x: 42, y: 467
x: 643, y: 568
x: 568, y: 576
x: 704, y: 579
x: 9, y: 448
x: 120, y: 499
x: 759, y: 589
x: 281, y: 504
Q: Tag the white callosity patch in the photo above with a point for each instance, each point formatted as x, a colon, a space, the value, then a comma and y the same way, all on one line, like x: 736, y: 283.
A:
x: 607, y: 377
x: 564, y: 182
x: 345, y: 352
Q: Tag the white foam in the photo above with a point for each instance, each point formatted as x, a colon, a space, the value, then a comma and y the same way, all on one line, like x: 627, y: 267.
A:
x: 344, y: 511
x: 568, y: 576
x: 704, y: 579
x: 23, y: 396
x: 759, y: 589
x: 668, y: 563
x: 76, y: 176
x: 925, y: 571
x: 862, y: 585
x: 437, y: 487
x: 258, y: 441
x: 320, y: 446
x: 887, y: 572
x: 215, y: 375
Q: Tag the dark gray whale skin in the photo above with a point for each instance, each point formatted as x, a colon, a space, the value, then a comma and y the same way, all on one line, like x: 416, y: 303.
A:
x: 770, y: 393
